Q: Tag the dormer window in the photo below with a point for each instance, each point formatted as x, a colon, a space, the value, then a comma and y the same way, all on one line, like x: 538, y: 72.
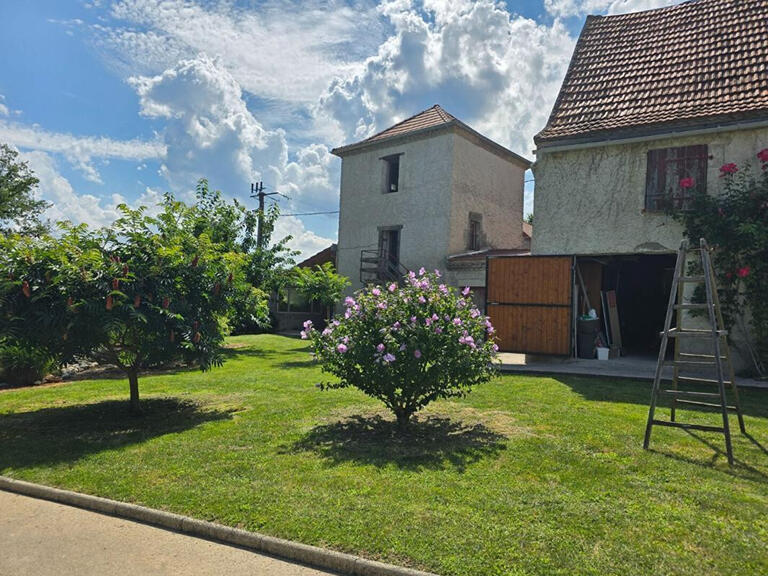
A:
x: 392, y: 173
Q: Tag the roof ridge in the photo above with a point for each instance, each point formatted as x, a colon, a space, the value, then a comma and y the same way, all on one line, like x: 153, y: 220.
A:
x: 435, y: 107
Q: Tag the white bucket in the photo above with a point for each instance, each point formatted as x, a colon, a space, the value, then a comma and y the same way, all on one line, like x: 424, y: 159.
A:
x: 602, y: 353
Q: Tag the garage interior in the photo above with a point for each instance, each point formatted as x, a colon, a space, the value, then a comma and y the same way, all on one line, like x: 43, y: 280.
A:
x: 641, y: 283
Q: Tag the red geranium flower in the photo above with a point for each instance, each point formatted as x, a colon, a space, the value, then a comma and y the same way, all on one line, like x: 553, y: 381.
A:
x: 763, y: 155
x: 743, y: 272
x: 730, y: 168
x: 686, y: 183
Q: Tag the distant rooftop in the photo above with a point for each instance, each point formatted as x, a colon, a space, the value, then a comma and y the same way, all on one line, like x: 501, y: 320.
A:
x: 697, y: 63
x: 432, y: 119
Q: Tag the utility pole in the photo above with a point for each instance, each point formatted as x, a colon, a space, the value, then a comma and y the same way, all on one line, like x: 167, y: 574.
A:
x: 257, y: 190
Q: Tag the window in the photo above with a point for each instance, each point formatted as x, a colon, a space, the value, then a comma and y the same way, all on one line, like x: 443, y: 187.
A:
x: 475, y: 240
x: 673, y: 176
x: 392, y: 176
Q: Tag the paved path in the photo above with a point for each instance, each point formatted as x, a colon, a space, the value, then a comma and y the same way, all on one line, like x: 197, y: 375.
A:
x: 48, y: 539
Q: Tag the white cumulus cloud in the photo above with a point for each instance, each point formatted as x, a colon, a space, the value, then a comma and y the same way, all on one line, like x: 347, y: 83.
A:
x: 566, y: 8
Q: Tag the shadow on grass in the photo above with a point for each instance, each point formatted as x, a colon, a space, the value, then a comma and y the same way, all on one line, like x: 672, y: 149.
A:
x: 432, y: 442
x: 65, y: 434
x: 754, y: 401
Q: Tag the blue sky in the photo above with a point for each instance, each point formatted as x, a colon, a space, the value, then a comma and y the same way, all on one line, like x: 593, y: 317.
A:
x: 120, y: 101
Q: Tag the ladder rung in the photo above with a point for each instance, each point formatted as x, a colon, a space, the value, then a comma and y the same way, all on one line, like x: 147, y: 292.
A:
x: 691, y: 278
x: 690, y: 363
x: 700, y: 356
x: 688, y: 426
x: 692, y: 306
x: 690, y: 393
x: 706, y: 404
x: 694, y: 380
x: 675, y: 332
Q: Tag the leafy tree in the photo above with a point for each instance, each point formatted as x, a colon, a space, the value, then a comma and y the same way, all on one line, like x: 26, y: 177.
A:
x: 735, y: 223
x: 145, y: 292
x: 407, y: 345
x: 19, y: 209
x: 321, y: 284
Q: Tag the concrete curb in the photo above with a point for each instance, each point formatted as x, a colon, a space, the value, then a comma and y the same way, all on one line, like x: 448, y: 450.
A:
x: 312, y: 556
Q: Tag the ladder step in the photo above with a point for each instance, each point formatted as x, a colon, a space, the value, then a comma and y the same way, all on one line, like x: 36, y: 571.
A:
x: 692, y: 394
x: 692, y: 306
x: 691, y: 278
x: 691, y: 356
x: 706, y: 404
x: 694, y: 380
x: 675, y: 332
x: 684, y: 426
x: 690, y: 363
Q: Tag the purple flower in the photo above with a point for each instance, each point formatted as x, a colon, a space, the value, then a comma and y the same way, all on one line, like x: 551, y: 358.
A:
x: 424, y: 284
x: 349, y: 301
x: 422, y: 300
x: 381, y: 306
x: 422, y: 271
x: 376, y: 292
x: 443, y: 288
x: 341, y: 348
x: 428, y: 321
x: 457, y: 321
x: 308, y: 325
x: 417, y: 353
x: 413, y: 319
x: 411, y: 274
x: 465, y: 291
x: 396, y: 326
x: 389, y: 358
x: 380, y: 348
x: 402, y: 347
x: 392, y: 287
x: 438, y: 330
x: 461, y: 303
x: 327, y: 331
x: 304, y: 335
x: 474, y: 313
x: 435, y: 317
x: 437, y: 273
x: 335, y: 322
x: 495, y: 347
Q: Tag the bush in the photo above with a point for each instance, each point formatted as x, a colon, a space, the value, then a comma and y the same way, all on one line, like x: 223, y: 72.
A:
x: 407, y: 345
x: 735, y: 224
x: 23, y: 364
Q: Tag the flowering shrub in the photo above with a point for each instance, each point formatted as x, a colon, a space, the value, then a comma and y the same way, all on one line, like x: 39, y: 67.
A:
x: 407, y: 345
x: 735, y: 223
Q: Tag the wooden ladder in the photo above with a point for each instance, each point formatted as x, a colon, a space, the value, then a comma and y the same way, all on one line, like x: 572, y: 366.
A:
x: 720, y: 359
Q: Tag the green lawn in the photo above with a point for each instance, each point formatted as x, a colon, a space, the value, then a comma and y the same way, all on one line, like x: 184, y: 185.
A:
x: 528, y: 475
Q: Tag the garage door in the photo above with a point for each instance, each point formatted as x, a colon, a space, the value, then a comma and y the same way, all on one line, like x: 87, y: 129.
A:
x: 529, y: 303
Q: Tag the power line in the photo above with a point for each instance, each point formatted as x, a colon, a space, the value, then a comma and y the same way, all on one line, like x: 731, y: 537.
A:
x: 311, y: 213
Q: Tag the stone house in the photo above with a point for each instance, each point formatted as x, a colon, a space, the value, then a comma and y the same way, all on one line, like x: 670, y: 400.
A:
x: 649, y: 98
x: 429, y: 191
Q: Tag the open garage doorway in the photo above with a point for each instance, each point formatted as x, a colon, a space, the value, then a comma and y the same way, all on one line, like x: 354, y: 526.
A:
x: 639, y: 285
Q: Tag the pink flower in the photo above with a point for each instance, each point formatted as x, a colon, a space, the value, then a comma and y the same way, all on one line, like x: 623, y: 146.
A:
x: 422, y: 271
x: 763, y: 155
x: 438, y: 330
x: 422, y: 300
x: 457, y: 321
x: 729, y: 168
x: 304, y: 335
x: 381, y: 305
x: 341, y: 348
x: 396, y: 326
x: 413, y: 319
x: 392, y: 287
x: 417, y: 353
x: 743, y: 272
x: 443, y: 288
x: 437, y: 273
x: 308, y: 325
x: 389, y: 358
x: 349, y: 301
x: 380, y: 348
x: 495, y: 347
x: 686, y: 183
x: 376, y: 292
x: 465, y: 291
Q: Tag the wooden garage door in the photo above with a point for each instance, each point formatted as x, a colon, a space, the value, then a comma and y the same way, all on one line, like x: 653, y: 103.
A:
x: 529, y: 303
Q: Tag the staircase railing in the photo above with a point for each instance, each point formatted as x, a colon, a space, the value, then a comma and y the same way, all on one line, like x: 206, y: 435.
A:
x: 377, y: 266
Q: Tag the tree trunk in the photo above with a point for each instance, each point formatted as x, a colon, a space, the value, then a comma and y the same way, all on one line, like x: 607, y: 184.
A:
x: 403, y: 419
x: 133, y: 382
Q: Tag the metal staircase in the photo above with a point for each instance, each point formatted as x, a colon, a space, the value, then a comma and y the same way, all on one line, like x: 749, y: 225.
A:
x: 377, y: 266
x: 718, y: 359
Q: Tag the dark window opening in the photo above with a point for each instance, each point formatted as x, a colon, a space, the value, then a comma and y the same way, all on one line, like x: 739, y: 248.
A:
x: 389, y: 245
x: 475, y: 240
x: 393, y: 173
x: 674, y: 176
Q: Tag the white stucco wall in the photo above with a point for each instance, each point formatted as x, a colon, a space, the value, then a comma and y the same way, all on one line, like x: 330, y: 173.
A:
x: 421, y: 205
x: 592, y: 200
x: 488, y: 184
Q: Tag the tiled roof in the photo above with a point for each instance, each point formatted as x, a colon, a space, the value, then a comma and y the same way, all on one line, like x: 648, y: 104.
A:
x: 325, y: 255
x: 434, y: 118
x: 429, y: 118
x: 695, y: 63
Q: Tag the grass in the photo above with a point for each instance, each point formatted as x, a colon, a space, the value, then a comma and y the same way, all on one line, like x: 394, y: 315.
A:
x: 527, y: 475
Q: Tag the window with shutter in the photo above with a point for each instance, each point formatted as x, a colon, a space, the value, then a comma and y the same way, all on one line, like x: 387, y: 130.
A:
x: 673, y: 176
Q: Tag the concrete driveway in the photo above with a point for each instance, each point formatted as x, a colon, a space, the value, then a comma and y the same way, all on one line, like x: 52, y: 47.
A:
x: 48, y: 539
